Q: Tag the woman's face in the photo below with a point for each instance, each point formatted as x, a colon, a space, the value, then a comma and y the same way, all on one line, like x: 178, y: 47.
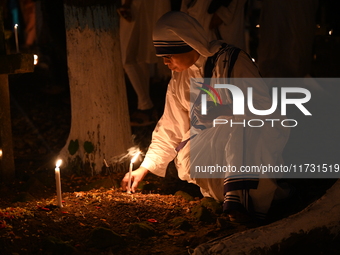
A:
x: 182, y: 61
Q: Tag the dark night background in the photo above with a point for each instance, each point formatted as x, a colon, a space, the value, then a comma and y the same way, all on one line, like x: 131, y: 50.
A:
x: 40, y: 101
x: 48, y: 89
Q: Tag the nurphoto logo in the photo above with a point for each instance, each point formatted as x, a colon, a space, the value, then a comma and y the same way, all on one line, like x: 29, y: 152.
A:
x: 238, y: 104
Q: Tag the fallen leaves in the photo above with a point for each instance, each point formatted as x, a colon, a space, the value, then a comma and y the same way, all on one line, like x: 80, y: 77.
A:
x: 85, y: 211
x: 43, y: 208
x: 175, y: 232
x: 3, y: 224
x: 11, y: 213
x: 152, y: 220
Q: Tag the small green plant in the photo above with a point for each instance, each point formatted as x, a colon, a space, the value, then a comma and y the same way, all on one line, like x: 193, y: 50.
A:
x: 73, y: 147
x: 88, y: 147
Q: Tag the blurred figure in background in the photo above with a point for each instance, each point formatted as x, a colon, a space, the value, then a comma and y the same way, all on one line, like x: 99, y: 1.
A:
x: 287, y: 30
x: 28, y: 10
x: 51, y: 45
x: 221, y: 19
x: 138, y: 18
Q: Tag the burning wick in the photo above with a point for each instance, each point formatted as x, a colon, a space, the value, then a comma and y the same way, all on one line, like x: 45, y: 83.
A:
x: 130, y: 171
x: 35, y: 61
x: 58, y: 184
x: 16, y: 37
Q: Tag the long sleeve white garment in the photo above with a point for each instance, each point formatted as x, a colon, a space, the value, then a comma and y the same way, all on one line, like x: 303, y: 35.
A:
x: 174, y: 126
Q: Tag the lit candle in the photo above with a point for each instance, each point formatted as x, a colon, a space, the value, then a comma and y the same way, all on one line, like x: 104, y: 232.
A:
x: 58, y: 184
x: 130, y: 171
x: 35, y: 61
x: 16, y: 37
x: 0, y: 153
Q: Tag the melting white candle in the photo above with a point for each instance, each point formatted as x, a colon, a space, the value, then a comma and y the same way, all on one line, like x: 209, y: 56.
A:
x: 16, y: 37
x: 58, y: 184
x: 130, y: 171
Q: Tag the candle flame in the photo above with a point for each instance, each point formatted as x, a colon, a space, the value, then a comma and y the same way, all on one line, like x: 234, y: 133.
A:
x: 0, y: 152
x: 58, y: 163
x: 135, y: 157
x: 35, y: 61
x: 16, y: 26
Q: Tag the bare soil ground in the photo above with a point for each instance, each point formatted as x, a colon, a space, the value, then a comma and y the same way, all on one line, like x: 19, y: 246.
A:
x: 97, y: 217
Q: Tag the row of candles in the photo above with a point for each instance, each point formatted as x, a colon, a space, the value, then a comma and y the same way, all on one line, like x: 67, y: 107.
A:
x: 35, y: 61
x: 58, y: 181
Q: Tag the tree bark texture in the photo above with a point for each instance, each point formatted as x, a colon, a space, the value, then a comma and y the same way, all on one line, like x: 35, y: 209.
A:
x: 317, y: 223
x: 7, y: 169
x: 100, y: 126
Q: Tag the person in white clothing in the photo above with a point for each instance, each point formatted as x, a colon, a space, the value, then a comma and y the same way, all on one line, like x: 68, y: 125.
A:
x: 185, y: 48
x: 138, y: 18
x: 222, y: 20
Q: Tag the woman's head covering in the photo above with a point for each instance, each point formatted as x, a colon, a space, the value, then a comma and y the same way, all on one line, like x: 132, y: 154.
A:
x: 177, y: 32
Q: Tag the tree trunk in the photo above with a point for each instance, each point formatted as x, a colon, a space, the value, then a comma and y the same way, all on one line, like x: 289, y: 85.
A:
x: 316, y: 224
x: 100, y: 126
x: 7, y: 169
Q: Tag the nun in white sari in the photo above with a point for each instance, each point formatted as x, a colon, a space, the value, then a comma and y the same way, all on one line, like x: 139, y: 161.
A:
x: 182, y: 42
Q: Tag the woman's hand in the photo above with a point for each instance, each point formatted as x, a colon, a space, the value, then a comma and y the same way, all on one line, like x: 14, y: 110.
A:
x: 136, y: 177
